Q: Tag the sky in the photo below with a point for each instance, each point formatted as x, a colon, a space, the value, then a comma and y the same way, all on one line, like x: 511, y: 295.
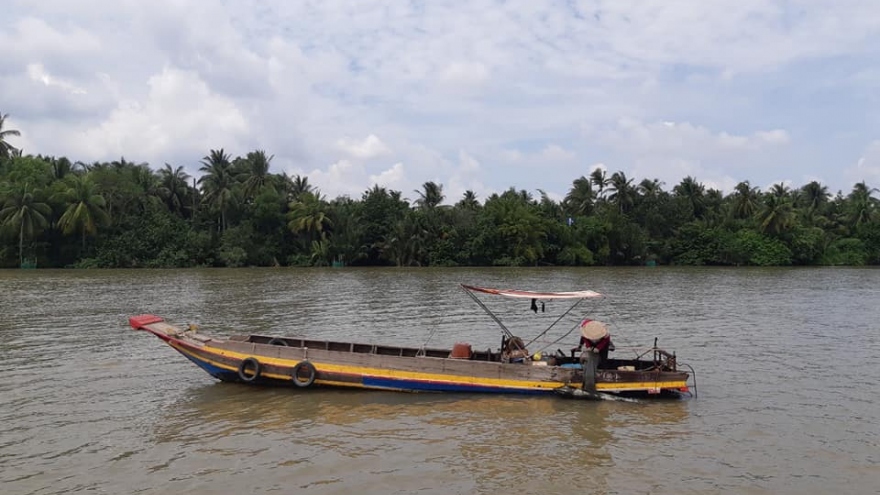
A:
x: 477, y: 95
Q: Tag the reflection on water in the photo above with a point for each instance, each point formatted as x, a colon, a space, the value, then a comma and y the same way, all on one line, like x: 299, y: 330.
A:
x: 787, y: 359
x: 492, y: 442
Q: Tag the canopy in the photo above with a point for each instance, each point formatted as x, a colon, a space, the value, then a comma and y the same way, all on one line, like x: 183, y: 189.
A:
x: 525, y: 294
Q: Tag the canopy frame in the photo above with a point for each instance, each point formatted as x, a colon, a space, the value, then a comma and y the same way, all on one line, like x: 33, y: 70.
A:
x: 578, y: 296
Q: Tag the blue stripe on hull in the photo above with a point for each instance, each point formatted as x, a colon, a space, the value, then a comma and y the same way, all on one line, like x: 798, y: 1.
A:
x: 216, y: 372
x: 421, y: 386
x: 388, y: 383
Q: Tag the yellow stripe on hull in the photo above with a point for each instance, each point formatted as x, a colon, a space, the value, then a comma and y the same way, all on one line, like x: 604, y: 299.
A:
x: 379, y: 373
x: 391, y: 374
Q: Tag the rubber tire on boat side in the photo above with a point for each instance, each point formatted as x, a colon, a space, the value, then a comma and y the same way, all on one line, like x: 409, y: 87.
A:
x: 294, y: 375
x: 278, y: 341
x: 244, y: 365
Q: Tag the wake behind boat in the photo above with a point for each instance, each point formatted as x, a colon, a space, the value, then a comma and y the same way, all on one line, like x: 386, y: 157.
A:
x: 585, y: 371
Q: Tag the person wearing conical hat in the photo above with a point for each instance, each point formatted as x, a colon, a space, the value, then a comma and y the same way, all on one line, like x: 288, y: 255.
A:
x: 595, y: 338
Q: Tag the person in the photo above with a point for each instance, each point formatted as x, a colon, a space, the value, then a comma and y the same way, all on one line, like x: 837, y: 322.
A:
x: 595, y: 338
x: 514, y: 350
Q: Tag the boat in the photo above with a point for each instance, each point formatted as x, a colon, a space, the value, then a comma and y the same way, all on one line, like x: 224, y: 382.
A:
x: 511, y: 369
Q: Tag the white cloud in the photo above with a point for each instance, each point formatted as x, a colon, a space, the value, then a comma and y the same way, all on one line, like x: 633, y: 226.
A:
x: 556, y: 153
x: 38, y: 73
x: 342, y: 178
x: 369, y: 147
x: 671, y: 151
x: 551, y: 154
x: 465, y: 74
x: 867, y: 167
x: 392, y: 178
x: 658, y: 89
x: 179, y: 110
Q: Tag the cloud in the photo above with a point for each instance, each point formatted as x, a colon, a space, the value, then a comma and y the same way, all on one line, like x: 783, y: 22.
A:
x: 867, y: 167
x: 755, y: 90
x: 671, y: 151
x: 180, y: 110
x: 391, y: 178
x: 369, y: 147
x: 549, y: 155
x: 464, y: 74
x: 555, y: 153
x: 38, y: 73
x: 342, y: 178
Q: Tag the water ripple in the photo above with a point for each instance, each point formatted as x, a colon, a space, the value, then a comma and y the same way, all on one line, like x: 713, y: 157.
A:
x: 788, y: 363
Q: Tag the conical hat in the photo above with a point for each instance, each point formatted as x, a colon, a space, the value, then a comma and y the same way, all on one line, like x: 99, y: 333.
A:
x: 593, y: 330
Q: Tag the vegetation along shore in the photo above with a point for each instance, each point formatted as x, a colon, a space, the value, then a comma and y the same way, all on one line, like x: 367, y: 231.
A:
x: 56, y: 212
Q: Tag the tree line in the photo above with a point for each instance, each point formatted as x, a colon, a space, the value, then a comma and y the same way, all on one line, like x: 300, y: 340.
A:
x: 55, y: 212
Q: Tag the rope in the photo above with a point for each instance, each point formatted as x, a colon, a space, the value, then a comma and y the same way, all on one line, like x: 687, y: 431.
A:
x: 491, y: 314
x: 563, y: 315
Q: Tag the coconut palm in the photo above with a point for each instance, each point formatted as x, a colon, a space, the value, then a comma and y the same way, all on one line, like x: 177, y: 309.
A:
x: 217, y: 183
x: 173, y: 187
x: 693, y: 193
x: 468, y: 201
x: 308, y: 216
x: 61, y: 167
x: 780, y: 190
x: 623, y: 192
x: 430, y: 196
x: 862, y: 207
x: 745, y: 200
x: 579, y: 200
x: 649, y: 188
x: 23, y: 211
x: 85, y: 207
x: 777, y: 215
x: 599, y: 179
x: 295, y: 186
x: 6, y: 149
x: 404, y: 242
x: 814, y: 197
x: 257, y: 174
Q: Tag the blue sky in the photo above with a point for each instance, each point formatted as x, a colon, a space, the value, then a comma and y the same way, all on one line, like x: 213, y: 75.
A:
x: 479, y: 95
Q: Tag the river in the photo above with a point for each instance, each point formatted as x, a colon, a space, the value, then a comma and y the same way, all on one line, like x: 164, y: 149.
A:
x: 787, y: 360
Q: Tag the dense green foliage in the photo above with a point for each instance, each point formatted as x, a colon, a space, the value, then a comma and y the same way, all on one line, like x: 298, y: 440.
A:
x: 124, y: 214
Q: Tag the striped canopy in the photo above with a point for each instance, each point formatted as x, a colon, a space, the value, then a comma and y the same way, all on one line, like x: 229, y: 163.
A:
x: 525, y: 294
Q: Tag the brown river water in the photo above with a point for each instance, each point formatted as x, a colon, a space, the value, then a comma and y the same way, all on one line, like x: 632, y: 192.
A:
x: 787, y: 360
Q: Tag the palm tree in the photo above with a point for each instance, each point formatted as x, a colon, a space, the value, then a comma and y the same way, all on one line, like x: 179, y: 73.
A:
x: 404, y: 242
x: 22, y: 210
x: 579, y: 200
x: 85, y: 207
x: 745, y: 200
x: 320, y: 253
x: 814, y: 198
x: 597, y: 176
x: 173, y: 187
x: 308, y: 215
x: 6, y: 149
x: 295, y: 186
x: 777, y: 215
x: 430, y: 196
x: 61, y: 167
x: 257, y: 175
x: 468, y: 201
x: 144, y: 177
x: 861, y: 206
x: 623, y: 191
x: 693, y: 192
x: 780, y: 190
x: 217, y: 183
x: 650, y: 188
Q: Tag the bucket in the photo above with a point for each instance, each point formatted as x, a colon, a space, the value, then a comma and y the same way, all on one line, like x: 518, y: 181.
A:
x: 461, y: 350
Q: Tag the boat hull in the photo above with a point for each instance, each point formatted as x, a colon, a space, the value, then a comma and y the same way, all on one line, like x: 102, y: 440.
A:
x: 341, y: 364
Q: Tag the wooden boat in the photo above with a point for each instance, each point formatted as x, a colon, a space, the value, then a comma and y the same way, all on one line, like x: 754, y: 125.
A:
x: 304, y: 363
